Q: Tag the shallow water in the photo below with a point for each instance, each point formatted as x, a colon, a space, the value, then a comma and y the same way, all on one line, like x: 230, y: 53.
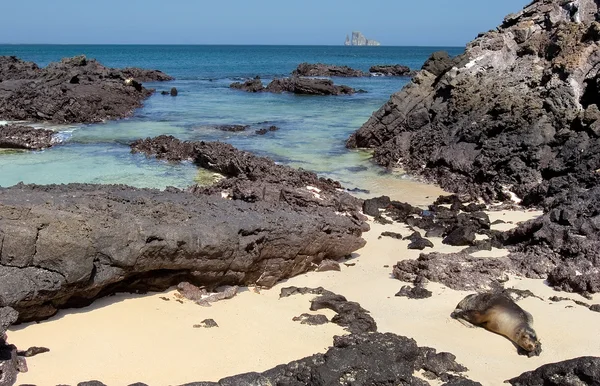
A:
x: 313, y: 129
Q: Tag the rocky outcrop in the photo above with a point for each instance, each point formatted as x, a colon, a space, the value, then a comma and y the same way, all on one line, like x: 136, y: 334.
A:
x: 515, y: 110
x: 10, y: 363
x: 251, y: 178
x: 458, y: 271
x: 74, y: 90
x: 142, y: 75
x: 295, y: 85
x: 308, y: 86
x: 350, y: 315
x: 63, y: 246
x: 358, y: 39
x: 514, y: 117
x: 361, y: 359
x: 578, y: 371
x: 24, y: 137
x: 320, y: 69
x: 391, y: 70
x: 252, y: 85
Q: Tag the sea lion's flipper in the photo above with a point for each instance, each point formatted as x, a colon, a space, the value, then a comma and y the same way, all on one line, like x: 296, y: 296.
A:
x: 466, y: 323
x: 463, y: 317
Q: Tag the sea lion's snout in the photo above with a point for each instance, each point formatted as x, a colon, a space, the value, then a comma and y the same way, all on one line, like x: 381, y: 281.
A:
x: 528, y: 340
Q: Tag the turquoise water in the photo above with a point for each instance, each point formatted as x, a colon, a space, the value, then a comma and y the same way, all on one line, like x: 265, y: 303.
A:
x: 312, y: 131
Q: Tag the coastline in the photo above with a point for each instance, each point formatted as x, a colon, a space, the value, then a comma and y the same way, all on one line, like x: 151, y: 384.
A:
x: 256, y: 332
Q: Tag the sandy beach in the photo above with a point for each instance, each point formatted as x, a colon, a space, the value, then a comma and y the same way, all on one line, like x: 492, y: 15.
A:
x: 151, y: 338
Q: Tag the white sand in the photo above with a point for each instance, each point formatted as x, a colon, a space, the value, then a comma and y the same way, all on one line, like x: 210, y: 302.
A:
x: 125, y: 338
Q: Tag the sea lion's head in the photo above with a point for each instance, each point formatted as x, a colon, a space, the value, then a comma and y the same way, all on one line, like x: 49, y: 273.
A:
x: 527, y: 339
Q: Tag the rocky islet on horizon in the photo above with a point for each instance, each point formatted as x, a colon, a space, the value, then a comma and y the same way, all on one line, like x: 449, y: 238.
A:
x: 358, y: 39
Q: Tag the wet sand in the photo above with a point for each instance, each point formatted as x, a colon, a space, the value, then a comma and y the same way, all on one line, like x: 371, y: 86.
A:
x: 144, y: 338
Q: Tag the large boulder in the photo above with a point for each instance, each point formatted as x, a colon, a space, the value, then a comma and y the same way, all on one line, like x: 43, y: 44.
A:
x: 66, y: 245
x: 24, y: 137
x: 74, y: 90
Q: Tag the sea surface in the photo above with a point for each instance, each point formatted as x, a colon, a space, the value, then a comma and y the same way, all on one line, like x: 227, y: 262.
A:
x: 313, y: 129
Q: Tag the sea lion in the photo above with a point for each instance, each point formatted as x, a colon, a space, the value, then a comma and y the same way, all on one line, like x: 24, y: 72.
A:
x: 498, y: 313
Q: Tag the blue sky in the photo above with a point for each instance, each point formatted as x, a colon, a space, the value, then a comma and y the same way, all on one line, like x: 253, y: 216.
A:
x: 326, y: 22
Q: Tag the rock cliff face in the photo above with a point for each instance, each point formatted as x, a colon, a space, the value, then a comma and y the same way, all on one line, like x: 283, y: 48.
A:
x: 516, y: 114
x: 504, y: 114
x: 358, y: 39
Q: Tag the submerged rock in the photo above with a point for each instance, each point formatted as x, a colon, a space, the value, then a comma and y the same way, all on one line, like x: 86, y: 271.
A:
x: 74, y: 90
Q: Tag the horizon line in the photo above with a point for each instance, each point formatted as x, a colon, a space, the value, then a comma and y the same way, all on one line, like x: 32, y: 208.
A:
x: 214, y: 44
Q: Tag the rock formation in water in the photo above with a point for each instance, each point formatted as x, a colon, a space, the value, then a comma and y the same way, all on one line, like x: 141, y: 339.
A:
x: 251, y: 178
x: 74, y: 90
x: 320, y: 69
x: 391, y: 70
x: 358, y: 39
x: 295, y: 85
x: 515, y: 115
x: 24, y: 137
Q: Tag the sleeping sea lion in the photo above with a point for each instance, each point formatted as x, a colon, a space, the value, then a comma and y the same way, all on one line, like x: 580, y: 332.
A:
x: 498, y: 313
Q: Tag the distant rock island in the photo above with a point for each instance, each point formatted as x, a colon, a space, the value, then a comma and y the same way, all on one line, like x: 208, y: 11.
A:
x: 358, y: 39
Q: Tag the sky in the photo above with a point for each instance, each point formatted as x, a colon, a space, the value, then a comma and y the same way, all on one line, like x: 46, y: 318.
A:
x: 306, y: 22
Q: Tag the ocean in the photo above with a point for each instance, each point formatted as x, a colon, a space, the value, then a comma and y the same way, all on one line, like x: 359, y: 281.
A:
x: 313, y: 129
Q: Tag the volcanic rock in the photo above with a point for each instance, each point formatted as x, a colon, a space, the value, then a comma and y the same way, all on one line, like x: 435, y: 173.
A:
x: 252, y: 178
x: 74, y: 90
x: 361, y: 359
x: 311, y: 320
x: 142, y: 75
x: 252, y: 85
x: 458, y: 271
x: 24, y: 137
x: 320, y: 69
x: 295, y: 85
x: 391, y: 70
x: 578, y: 371
x: 371, y: 206
x: 64, y: 246
x: 350, y: 315
x: 416, y: 292
x: 308, y: 86
x: 515, y: 117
